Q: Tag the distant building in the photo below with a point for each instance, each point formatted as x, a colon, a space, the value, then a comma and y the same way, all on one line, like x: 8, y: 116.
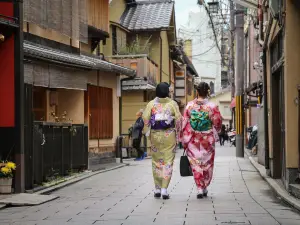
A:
x: 205, y: 55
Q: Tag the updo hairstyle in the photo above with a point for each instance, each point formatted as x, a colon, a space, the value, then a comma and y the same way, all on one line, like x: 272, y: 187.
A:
x: 203, y: 89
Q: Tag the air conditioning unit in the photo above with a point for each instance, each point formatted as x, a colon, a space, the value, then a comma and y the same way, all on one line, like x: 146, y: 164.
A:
x: 274, y: 7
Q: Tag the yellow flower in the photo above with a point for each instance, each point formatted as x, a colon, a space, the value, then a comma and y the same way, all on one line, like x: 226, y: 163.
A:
x: 5, y: 170
x: 11, y: 165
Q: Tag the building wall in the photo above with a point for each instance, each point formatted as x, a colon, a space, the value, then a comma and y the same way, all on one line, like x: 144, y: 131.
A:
x: 50, y: 34
x: 71, y: 101
x: 165, y: 56
x: 223, y: 100
x: 133, y: 101
x: 291, y: 79
x: 106, y: 147
x: 254, y: 74
x: 116, y: 9
x: 274, y: 30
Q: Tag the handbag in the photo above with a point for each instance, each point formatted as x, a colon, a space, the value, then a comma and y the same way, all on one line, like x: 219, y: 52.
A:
x: 185, y: 167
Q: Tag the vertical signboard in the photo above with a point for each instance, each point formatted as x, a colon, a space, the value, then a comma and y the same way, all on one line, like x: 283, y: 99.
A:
x: 7, y: 69
x: 180, y: 83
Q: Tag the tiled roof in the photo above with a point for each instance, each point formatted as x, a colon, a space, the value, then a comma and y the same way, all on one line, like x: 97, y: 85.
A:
x: 137, y: 84
x: 51, y: 55
x: 148, y: 15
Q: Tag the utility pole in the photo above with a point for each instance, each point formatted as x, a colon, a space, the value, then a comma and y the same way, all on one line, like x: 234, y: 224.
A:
x: 231, y: 57
x: 239, y: 80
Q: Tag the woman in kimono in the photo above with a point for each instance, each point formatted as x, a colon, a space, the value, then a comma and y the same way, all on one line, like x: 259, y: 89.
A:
x: 163, y: 117
x: 201, y: 122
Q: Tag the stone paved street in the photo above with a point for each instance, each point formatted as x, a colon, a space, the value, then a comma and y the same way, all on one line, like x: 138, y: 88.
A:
x: 238, y: 195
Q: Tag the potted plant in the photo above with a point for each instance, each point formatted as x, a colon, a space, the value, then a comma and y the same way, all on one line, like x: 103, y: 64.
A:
x: 6, y: 175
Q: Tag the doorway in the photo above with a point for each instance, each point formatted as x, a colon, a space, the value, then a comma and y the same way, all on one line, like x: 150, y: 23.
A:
x: 278, y: 121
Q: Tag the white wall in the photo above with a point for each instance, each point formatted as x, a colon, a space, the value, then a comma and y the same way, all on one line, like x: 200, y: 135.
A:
x: 206, y: 56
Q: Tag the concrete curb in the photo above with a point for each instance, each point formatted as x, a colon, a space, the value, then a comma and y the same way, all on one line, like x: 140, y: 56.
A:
x: 74, y: 180
x: 280, y: 191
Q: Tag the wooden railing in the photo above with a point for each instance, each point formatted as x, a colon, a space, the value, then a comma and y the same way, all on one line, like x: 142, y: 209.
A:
x: 144, y: 66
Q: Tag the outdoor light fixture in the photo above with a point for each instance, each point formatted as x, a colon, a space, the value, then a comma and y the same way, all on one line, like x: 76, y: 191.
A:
x: 2, y: 38
x: 213, y: 6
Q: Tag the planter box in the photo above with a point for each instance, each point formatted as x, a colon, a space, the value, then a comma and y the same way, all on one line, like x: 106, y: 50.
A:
x: 5, y: 185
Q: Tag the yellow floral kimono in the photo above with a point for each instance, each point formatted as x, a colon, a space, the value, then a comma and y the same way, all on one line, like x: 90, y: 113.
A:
x: 163, y: 117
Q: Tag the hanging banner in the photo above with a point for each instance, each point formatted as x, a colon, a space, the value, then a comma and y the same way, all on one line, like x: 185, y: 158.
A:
x: 7, y: 69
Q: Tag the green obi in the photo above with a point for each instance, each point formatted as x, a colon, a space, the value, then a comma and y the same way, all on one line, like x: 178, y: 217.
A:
x: 200, y: 121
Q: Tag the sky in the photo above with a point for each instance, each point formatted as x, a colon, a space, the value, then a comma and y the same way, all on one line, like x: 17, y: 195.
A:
x: 182, y: 9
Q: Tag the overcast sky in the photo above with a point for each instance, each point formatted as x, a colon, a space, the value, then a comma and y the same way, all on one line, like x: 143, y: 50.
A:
x: 182, y: 8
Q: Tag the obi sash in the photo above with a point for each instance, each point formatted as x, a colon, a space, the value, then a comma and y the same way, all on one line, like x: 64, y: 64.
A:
x: 200, y: 121
x: 161, y: 124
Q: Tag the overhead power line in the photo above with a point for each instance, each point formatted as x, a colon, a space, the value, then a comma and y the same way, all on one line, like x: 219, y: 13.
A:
x: 212, y: 25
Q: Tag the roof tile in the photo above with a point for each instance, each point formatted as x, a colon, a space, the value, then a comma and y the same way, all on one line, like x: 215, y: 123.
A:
x: 146, y: 15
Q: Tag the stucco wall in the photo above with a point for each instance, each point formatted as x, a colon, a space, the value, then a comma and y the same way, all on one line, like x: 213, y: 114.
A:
x: 116, y: 9
x: 223, y: 100
x: 71, y: 101
x: 133, y: 101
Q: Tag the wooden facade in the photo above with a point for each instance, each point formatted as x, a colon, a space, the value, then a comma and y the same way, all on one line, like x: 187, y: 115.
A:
x: 145, y: 68
x: 101, y: 112
x: 98, y: 14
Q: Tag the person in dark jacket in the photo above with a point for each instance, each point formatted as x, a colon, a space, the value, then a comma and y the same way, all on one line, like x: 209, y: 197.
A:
x: 222, y: 135
x: 137, y: 135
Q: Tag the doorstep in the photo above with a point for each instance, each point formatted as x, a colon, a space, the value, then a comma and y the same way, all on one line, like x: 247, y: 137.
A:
x: 275, y: 185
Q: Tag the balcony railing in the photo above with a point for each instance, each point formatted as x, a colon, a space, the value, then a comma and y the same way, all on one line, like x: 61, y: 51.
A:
x: 144, y: 66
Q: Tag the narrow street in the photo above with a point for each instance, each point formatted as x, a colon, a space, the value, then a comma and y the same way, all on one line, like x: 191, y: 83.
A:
x: 238, y: 195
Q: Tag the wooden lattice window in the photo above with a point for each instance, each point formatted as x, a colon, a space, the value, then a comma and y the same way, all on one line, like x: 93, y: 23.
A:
x: 101, y: 112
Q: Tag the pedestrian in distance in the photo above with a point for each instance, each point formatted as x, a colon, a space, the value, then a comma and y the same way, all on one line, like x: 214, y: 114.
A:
x: 222, y: 135
x: 137, y: 134
x: 164, y: 119
x: 201, y: 123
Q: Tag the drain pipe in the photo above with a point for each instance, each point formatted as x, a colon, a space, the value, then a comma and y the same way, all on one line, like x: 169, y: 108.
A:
x: 266, y: 121
x: 161, y: 61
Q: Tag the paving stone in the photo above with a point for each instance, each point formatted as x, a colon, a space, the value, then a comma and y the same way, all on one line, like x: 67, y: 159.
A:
x: 119, y: 198
x: 263, y: 221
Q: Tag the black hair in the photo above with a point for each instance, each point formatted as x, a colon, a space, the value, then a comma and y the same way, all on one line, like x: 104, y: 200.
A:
x: 203, y: 89
x: 162, y: 90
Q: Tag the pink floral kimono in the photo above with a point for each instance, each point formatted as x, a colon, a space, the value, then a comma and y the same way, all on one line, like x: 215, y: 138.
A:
x: 201, y: 123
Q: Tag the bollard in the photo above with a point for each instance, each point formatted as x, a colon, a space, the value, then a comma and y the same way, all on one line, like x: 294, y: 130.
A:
x: 119, y: 155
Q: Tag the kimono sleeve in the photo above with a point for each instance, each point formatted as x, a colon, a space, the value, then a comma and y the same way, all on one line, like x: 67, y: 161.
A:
x: 147, y: 113
x: 178, y: 121
x: 216, y: 118
x: 186, y: 116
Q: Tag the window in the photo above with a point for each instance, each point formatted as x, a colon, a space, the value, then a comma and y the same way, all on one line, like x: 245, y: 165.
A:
x: 101, y: 112
x: 39, y: 108
x: 227, y: 111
